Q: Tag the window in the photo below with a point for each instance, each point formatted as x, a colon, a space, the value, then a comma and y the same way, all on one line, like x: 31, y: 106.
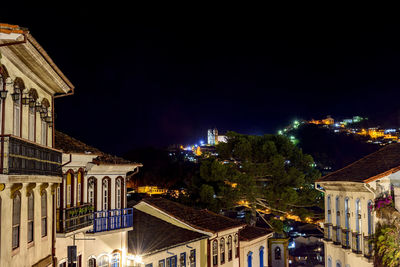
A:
x: 44, y: 133
x: 182, y: 260
x: 249, y: 259
x: 329, y: 261
x: 80, y: 188
x: 16, y: 219
x: 229, y: 248
x: 115, y: 260
x: 78, y: 194
x: 17, y: 116
x: 278, y: 253
x: 91, y: 191
x: 118, y: 193
x: 103, y: 261
x: 105, y: 194
x: 222, y: 249
x: 31, y: 128
x: 161, y: 263
x: 338, y: 264
x: 215, y: 252
x: 58, y: 196
x: 261, y: 252
x: 30, y: 216
x: 192, y: 258
x: 44, y: 213
x: 69, y: 195
x: 236, y: 240
x: 171, y: 261
x: 358, y: 216
x: 370, y: 218
x: 337, y: 207
x: 347, y: 213
x: 149, y: 265
x: 92, y: 262
x: 328, y: 207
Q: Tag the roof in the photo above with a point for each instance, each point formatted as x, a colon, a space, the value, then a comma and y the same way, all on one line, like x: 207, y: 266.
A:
x: 373, y: 166
x: 69, y: 144
x: 249, y: 233
x: 14, y: 33
x: 200, y: 219
x: 151, y: 234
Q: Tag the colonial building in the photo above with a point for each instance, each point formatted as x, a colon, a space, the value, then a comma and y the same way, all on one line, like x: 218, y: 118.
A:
x: 91, y: 205
x: 157, y: 243
x: 230, y: 243
x: 350, y: 193
x: 30, y: 166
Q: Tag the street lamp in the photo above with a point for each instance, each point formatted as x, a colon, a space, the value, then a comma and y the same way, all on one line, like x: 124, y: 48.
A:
x: 3, y: 94
x: 25, y: 99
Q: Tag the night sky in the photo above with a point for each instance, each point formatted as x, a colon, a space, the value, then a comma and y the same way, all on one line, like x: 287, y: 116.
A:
x: 150, y: 78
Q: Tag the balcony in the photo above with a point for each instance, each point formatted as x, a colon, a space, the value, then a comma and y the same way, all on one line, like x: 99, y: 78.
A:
x: 356, y: 243
x: 345, y: 238
x: 23, y: 157
x: 328, y: 232
x: 112, y: 220
x: 368, y: 246
x: 336, y: 234
x: 75, y: 218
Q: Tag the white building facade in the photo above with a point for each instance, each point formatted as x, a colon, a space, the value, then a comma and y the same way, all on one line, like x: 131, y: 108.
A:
x: 29, y: 164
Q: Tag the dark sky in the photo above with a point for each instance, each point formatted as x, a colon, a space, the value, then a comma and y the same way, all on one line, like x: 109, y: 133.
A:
x: 156, y: 78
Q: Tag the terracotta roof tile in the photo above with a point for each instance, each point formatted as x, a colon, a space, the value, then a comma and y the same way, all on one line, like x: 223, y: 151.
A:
x: 200, y: 219
x: 69, y: 144
x: 374, y: 166
x: 251, y: 232
x: 151, y: 234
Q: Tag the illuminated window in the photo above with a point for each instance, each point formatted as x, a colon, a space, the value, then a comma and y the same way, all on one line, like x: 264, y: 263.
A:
x: 115, y: 260
x: 103, y: 261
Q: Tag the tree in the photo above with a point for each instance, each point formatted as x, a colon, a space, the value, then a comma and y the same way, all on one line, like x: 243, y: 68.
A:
x: 266, y: 168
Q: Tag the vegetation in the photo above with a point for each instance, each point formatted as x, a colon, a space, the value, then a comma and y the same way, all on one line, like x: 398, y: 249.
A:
x: 262, y: 171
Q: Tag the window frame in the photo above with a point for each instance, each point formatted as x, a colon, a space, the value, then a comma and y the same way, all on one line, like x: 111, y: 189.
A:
x: 30, y: 221
x: 16, y: 223
x: 215, y: 253
x: 43, y: 213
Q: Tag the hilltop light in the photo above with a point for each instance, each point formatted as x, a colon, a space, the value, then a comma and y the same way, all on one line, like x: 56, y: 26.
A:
x: 280, y: 132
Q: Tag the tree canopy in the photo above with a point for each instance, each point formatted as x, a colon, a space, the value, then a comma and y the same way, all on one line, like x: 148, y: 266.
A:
x: 252, y: 168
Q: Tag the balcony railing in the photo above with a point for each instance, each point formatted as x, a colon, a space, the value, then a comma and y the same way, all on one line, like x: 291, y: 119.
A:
x: 328, y: 231
x: 112, y: 220
x: 75, y: 218
x: 368, y: 246
x: 356, y: 243
x: 345, y: 238
x: 336, y: 234
x: 20, y: 156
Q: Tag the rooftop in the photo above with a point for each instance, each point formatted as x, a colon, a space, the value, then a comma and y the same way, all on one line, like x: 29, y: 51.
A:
x: 151, y: 234
x: 69, y: 144
x: 249, y: 233
x: 200, y: 219
x: 376, y: 165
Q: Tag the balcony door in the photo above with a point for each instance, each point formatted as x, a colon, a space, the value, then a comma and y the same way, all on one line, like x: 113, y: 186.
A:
x: 92, y: 192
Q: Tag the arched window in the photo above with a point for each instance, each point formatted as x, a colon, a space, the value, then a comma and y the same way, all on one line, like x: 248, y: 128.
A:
x: 19, y: 86
x: 338, y: 264
x: 278, y: 253
x: 328, y: 208
x: 70, y: 189
x: 115, y: 260
x: 329, y: 261
x: 236, y: 240
x: 229, y: 248
x: 337, y: 207
x: 79, y: 188
x: 249, y: 259
x: 215, y: 252
x: 118, y: 193
x: 358, y: 216
x: 44, y: 212
x: 347, y: 213
x: 44, y: 128
x: 33, y: 96
x: 261, y: 256
x: 16, y: 219
x: 370, y: 218
x: 92, y: 192
x: 30, y: 216
x: 105, y: 192
x: 103, y: 261
x: 92, y: 262
x: 222, y: 249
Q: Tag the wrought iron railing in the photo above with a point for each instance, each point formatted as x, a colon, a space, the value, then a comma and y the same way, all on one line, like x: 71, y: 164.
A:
x: 75, y: 218
x: 368, y: 246
x: 20, y: 156
x: 112, y: 220
x: 345, y: 238
x: 336, y: 234
x: 328, y: 231
x: 356, y: 243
